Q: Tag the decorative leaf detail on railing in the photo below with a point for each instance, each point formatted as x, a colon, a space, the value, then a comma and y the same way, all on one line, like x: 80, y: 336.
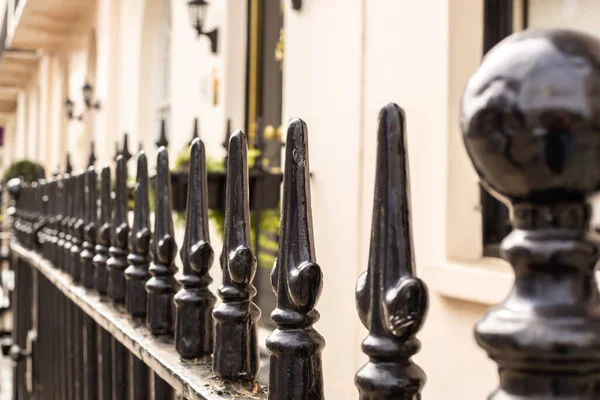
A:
x: 117, y: 263
x: 295, y: 347
x: 91, y: 212
x: 161, y: 286
x: 68, y: 222
x: 78, y: 226
x: 139, y: 244
x: 392, y: 302
x: 236, y: 351
x: 103, y: 239
x: 194, y: 331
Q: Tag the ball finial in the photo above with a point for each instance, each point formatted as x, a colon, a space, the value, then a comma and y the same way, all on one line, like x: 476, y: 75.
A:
x: 531, y: 117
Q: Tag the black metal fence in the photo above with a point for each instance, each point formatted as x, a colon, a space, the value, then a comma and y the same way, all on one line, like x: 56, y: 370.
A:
x: 99, y: 313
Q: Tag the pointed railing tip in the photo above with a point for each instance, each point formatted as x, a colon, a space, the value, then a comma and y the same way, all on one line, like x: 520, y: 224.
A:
x: 68, y: 165
x: 392, y: 303
x: 297, y: 140
x: 238, y: 144
x: 139, y: 245
x: 125, y: 152
x: 162, y: 139
x: 301, y: 275
x: 165, y: 246
x: 142, y: 160
x: 194, y: 332
x: 92, y: 157
x: 391, y: 119
x: 236, y: 351
x: 196, y: 131
x: 196, y: 213
x: 161, y: 286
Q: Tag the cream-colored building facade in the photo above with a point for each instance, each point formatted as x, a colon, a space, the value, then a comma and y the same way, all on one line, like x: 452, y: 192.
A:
x: 343, y: 59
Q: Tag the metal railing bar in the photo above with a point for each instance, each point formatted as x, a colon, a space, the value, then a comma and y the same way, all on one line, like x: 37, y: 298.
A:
x: 193, y: 381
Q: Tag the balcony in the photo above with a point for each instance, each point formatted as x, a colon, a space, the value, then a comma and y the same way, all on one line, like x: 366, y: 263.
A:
x: 46, y: 24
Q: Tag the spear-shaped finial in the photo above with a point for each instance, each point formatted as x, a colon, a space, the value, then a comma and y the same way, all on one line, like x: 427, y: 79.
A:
x: 117, y: 263
x: 103, y: 239
x: 139, y: 244
x: 161, y: 286
x: 125, y: 152
x: 391, y: 301
x: 194, y: 331
x: 88, y: 246
x: 60, y: 222
x: 78, y: 226
x: 52, y: 213
x: 227, y: 135
x: 68, y: 222
x: 162, y: 139
x: 236, y: 352
x: 295, y: 347
x: 68, y: 165
x: 196, y: 133
x: 117, y: 151
x: 225, y: 143
x: 92, y: 157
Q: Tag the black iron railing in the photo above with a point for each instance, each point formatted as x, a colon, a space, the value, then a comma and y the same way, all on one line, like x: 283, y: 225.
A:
x: 99, y: 313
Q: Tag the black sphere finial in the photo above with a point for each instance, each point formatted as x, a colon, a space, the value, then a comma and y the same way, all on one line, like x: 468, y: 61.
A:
x: 529, y: 122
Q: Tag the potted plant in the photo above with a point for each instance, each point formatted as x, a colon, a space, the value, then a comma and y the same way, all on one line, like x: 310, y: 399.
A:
x: 264, y: 185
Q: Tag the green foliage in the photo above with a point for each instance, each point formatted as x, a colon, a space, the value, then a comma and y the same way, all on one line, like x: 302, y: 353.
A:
x: 182, y: 161
x: 29, y: 170
x: 269, y: 225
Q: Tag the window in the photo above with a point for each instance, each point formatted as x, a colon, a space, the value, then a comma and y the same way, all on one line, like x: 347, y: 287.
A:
x: 500, y: 17
x: 263, y: 114
x: 499, y: 22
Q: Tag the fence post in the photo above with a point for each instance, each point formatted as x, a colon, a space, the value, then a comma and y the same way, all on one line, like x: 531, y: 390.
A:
x: 529, y: 122
x: 52, y: 231
x: 89, y: 245
x: 139, y: 245
x: 78, y: 226
x: 194, y: 330
x: 295, y: 347
x: 117, y: 263
x: 161, y: 286
x: 392, y: 302
x: 103, y: 245
x: 236, y: 351
x: 67, y: 223
x: 59, y: 233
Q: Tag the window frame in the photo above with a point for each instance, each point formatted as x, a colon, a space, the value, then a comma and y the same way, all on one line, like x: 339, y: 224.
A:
x: 467, y: 272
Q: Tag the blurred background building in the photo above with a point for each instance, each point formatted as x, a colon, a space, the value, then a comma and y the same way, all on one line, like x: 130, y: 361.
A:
x: 73, y: 72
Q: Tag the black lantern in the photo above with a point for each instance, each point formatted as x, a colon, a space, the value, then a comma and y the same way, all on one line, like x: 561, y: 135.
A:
x: 197, y: 10
x: 297, y: 5
x: 88, y: 93
x: 70, y: 108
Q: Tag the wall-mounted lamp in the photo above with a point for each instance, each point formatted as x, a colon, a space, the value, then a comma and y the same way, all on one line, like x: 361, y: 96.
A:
x: 197, y: 10
x: 88, y: 95
x: 70, y: 108
x: 297, y: 5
